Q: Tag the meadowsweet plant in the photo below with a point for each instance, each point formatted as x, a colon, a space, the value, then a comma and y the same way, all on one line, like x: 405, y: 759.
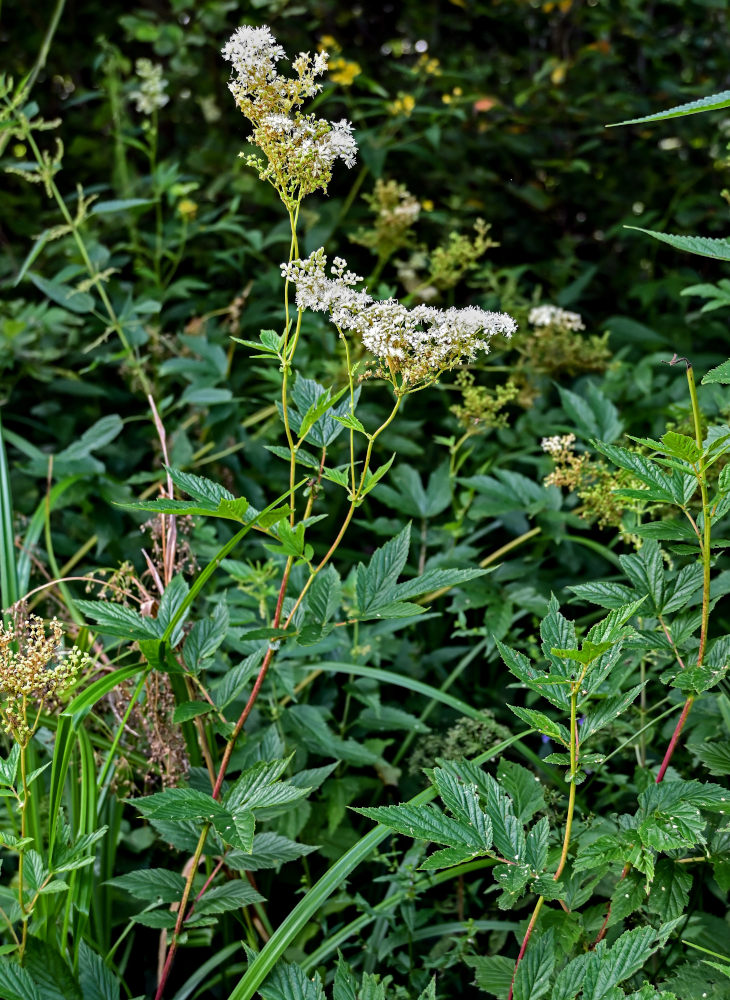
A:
x: 407, y: 349
x: 325, y: 610
x: 36, y: 671
x: 660, y: 617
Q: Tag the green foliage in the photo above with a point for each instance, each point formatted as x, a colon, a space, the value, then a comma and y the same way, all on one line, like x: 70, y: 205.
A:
x: 350, y: 566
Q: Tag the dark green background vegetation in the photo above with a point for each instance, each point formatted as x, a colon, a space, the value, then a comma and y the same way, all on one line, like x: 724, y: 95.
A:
x: 509, y: 129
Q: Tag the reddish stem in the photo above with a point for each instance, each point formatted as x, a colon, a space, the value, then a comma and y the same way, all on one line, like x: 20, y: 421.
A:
x: 675, y: 737
x: 525, y: 940
x: 182, y: 915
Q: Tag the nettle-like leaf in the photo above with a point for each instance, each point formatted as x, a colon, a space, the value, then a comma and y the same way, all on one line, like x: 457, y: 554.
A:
x: 210, y: 499
x: 594, y: 416
x: 410, y: 498
x: 662, y: 486
x: 380, y: 596
x: 233, y: 818
x: 704, y: 246
x: 591, y: 661
x: 151, y: 884
x: 314, y: 411
x: 596, y: 974
x: 509, y: 491
x: 671, y: 813
x: 322, y: 601
x: 9, y: 767
x: 712, y: 102
x: 205, y: 637
x: 289, y: 982
x: 534, y: 972
x: 482, y: 823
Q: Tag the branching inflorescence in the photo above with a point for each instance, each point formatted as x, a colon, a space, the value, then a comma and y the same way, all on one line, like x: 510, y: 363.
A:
x: 412, y: 346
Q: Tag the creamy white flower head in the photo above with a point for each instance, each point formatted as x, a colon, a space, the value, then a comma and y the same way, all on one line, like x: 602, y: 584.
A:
x: 252, y: 53
x: 300, y: 150
x: 558, y: 444
x: 340, y: 144
x: 555, y: 316
x: 411, y: 345
x: 151, y: 95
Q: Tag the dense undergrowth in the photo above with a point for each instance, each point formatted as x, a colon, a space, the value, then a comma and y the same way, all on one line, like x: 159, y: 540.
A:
x: 364, y: 633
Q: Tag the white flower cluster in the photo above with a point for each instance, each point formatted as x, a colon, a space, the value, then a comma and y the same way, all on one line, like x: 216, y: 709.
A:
x: 151, y: 95
x: 300, y: 149
x: 557, y: 445
x: 313, y: 140
x: 555, y: 316
x: 416, y: 344
x: 252, y: 53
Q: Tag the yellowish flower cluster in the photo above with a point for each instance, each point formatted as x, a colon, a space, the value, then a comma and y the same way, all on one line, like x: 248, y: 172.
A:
x: 34, y: 668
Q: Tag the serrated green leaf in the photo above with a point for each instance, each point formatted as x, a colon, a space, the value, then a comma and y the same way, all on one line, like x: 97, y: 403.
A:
x: 230, y: 896
x: 603, y: 593
x: 118, y: 620
x: 96, y: 979
x: 523, y: 787
x: 532, y: 980
x: 681, y: 446
x: 151, y: 884
x: 536, y: 845
x: 289, y: 982
x: 626, y: 956
x: 179, y: 804
x: 426, y: 822
x: 719, y: 374
x: 545, y: 725
x: 493, y: 974
x: 376, y: 582
x: 435, y: 579
x: 670, y: 889
x: 606, y: 712
x: 715, y: 756
x: 373, y: 478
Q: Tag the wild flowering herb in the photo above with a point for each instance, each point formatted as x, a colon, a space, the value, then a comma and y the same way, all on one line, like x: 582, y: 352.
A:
x: 300, y: 150
x: 34, y: 669
x: 558, y: 346
x: 554, y: 316
x: 412, y: 346
x: 396, y: 211
x: 151, y: 95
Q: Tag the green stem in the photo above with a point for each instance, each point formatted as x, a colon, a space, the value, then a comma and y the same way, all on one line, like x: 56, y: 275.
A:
x: 348, y: 517
x: 93, y: 274
x: 705, y: 556
x: 21, y: 852
x: 193, y: 867
x: 574, y: 757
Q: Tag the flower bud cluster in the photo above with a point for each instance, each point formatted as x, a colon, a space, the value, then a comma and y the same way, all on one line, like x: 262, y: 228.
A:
x: 34, y: 667
x: 300, y: 149
x: 395, y: 210
x: 555, y: 316
x: 151, y: 95
x: 412, y: 346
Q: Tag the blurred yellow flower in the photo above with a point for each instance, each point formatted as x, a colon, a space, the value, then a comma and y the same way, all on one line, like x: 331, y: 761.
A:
x: 428, y: 65
x: 343, y: 71
x: 187, y: 209
x: 402, y: 105
x: 329, y: 44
